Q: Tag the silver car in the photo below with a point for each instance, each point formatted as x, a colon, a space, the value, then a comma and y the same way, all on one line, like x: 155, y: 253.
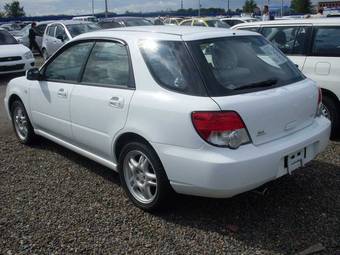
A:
x: 58, y: 33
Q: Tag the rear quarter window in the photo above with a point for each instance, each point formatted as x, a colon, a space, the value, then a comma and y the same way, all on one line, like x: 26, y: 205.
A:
x: 326, y: 41
x: 171, y: 65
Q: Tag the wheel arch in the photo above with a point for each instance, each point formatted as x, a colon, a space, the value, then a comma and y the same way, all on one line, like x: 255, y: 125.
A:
x: 11, y: 99
x: 326, y: 92
x: 126, y: 137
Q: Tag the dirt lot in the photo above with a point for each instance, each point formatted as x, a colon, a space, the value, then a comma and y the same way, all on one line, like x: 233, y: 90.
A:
x: 54, y: 201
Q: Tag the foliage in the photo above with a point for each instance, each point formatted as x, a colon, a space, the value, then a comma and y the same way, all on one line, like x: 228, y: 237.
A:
x: 13, y: 9
x: 249, y: 6
x: 301, y: 6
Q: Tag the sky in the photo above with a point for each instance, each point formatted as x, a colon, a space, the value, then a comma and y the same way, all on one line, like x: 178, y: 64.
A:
x: 78, y: 7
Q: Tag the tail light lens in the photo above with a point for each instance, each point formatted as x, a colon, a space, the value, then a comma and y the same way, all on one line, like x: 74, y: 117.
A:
x: 221, y: 128
x: 318, y: 110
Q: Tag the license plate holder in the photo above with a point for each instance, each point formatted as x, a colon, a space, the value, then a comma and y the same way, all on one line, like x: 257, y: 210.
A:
x: 295, y: 160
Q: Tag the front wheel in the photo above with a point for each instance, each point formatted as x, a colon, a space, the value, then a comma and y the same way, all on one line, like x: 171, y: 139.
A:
x: 143, y: 177
x: 330, y: 110
x: 21, y: 123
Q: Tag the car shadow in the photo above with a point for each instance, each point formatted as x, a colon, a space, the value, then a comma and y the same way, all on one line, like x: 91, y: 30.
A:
x: 297, y: 211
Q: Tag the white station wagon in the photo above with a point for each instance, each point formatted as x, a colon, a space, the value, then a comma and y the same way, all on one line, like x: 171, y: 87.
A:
x: 199, y: 111
x: 313, y: 45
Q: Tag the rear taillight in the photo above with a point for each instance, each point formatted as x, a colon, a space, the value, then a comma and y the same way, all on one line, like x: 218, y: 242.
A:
x: 319, y: 106
x: 221, y: 128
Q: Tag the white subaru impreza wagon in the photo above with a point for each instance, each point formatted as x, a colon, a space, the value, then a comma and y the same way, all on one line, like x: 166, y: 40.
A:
x: 199, y: 111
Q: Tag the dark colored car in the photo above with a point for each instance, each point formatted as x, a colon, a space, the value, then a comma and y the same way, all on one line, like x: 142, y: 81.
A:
x: 124, y: 22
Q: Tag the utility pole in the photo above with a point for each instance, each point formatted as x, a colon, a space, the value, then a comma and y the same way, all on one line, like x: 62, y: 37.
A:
x: 281, y: 8
x: 182, y: 4
x: 92, y: 7
x: 106, y: 9
x: 228, y: 8
x: 199, y: 8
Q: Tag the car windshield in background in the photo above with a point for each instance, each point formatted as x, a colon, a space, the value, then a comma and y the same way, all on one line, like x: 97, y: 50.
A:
x: 217, y: 23
x: 77, y: 29
x: 137, y: 22
x: 6, y: 38
x: 232, y: 64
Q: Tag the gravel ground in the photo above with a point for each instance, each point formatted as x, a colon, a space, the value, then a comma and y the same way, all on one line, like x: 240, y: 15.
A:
x: 55, y: 201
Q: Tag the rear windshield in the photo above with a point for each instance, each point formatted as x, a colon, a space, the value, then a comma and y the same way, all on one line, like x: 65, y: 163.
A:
x: 6, y: 38
x: 233, y: 65
x: 137, y: 22
x: 172, y: 67
x: 77, y: 29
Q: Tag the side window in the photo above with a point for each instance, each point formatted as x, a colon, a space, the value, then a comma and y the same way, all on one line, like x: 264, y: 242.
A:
x: 51, y: 31
x: 67, y: 65
x: 186, y: 23
x: 199, y: 23
x: 41, y: 29
x: 282, y: 37
x: 108, y: 64
x: 326, y: 42
x: 60, y: 33
x: 253, y: 29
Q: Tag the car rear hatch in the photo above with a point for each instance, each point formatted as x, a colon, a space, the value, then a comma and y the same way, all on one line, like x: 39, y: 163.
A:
x: 274, y: 113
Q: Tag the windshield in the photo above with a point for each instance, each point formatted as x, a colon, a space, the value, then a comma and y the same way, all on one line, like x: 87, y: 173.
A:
x: 231, y: 64
x: 217, y: 23
x: 77, y: 29
x: 6, y: 38
x: 137, y: 22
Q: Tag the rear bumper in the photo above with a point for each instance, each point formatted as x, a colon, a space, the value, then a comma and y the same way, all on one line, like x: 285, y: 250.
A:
x: 219, y: 172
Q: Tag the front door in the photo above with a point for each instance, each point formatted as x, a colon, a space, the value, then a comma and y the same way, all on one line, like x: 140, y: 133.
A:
x: 100, y: 102
x: 50, y: 98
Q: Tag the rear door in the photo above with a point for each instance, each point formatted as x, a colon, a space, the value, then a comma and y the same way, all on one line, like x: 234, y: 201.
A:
x: 323, y: 64
x: 49, y: 38
x: 100, y: 103
x: 292, y: 40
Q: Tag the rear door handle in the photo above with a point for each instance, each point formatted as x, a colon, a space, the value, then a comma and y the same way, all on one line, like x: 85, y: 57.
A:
x: 117, y: 102
x: 62, y: 93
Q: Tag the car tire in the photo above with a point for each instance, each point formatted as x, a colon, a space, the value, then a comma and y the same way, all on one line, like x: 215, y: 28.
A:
x: 21, y: 123
x: 330, y: 109
x: 143, y: 177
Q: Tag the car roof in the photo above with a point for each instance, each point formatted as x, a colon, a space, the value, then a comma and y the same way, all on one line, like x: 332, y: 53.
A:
x: 121, y: 18
x: 70, y: 22
x: 186, y: 33
x: 311, y: 21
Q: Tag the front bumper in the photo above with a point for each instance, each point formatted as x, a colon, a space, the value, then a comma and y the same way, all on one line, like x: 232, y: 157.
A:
x: 16, y: 66
x: 219, y: 172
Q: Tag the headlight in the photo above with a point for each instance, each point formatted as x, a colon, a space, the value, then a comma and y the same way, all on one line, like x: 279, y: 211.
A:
x: 28, y: 55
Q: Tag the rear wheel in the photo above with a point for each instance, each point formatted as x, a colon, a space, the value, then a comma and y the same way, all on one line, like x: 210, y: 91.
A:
x: 330, y: 110
x: 143, y: 177
x: 21, y: 123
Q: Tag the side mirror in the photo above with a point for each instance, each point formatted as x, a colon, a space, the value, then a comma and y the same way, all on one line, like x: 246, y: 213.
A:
x: 33, y: 74
x: 61, y: 38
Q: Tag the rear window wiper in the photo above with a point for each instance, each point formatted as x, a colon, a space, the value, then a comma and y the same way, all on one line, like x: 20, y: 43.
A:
x: 261, y: 84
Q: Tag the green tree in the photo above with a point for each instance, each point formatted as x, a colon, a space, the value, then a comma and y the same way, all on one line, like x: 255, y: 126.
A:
x: 249, y: 6
x: 14, y: 9
x: 301, y: 6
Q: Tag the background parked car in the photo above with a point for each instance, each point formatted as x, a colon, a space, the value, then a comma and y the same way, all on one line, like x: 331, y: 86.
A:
x: 58, y: 33
x: 14, y: 57
x: 238, y: 20
x: 22, y: 36
x: 12, y: 28
x: 124, y: 22
x: 314, y: 45
x: 173, y: 21
x: 86, y: 18
x: 204, y: 22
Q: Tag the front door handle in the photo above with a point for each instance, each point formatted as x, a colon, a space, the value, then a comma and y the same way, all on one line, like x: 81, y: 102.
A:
x: 62, y: 93
x: 117, y: 102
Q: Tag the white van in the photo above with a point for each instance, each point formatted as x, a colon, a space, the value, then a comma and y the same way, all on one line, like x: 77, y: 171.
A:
x: 313, y: 45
